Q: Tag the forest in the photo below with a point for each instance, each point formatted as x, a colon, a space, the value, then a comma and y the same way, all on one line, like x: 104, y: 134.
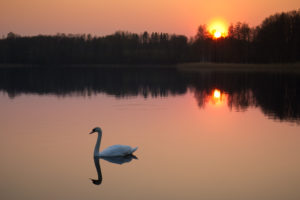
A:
x: 275, y: 40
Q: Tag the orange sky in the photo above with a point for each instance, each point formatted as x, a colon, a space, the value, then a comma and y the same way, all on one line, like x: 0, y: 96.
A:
x: 99, y: 17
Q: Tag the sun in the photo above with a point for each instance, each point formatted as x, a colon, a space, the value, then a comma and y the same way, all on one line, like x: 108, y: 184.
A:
x: 217, y: 34
x: 218, y: 28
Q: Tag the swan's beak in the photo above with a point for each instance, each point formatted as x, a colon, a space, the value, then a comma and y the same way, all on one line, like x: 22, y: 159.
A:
x: 92, y: 132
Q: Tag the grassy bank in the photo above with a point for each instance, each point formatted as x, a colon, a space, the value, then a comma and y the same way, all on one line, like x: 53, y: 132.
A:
x: 87, y: 65
x: 231, y: 67
x: 189, y: 67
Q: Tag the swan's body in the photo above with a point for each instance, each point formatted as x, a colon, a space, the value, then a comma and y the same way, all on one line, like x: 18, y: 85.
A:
x: 117, y: 150
x: 112, y: 151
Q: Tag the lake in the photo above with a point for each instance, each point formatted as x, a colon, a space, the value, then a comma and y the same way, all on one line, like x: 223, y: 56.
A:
x: 206, y: 135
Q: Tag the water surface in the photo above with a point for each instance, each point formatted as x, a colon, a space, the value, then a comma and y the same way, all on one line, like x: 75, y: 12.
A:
x: 203, y: 135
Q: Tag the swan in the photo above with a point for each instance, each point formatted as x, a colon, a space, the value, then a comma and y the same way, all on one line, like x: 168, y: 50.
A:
x: 112, y: 151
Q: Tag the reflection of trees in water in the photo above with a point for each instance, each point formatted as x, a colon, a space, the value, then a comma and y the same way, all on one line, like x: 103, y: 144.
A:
x: 202, y: 97
x: 239, y: 101
x: 120, y: 82
x: 277, y: 94
x: 280, y: 97
x: 242, y: 100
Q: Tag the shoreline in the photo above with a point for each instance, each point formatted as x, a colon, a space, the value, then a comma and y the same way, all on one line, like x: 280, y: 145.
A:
x: 2, y: 65
x: 188, y: 67
x: 238, y: 67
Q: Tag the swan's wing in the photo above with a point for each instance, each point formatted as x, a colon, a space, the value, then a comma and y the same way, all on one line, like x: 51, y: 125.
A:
x: 116, y: 150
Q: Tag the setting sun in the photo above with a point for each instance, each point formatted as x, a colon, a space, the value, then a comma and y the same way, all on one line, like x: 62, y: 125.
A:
x: 217, y: 34
x: 218, y: 28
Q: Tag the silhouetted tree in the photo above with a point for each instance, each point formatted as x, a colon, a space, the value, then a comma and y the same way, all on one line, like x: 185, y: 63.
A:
x: 277, y: 39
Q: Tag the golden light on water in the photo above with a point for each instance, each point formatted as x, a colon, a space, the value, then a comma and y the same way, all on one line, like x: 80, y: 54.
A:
x: 218, y: 28
x: 217, y: 94
x: 217, y: 97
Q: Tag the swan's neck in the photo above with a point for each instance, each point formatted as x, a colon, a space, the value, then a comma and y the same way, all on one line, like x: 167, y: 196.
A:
x: 97, y: 146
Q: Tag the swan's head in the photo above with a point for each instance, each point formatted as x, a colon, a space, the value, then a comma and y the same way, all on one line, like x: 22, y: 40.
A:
x: 97, y: 129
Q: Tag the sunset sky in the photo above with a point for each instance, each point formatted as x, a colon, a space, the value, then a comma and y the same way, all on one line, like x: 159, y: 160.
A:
x: 99, y: 17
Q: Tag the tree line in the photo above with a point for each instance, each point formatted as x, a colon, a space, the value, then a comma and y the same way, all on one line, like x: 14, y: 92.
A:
x: 119, y: 48
x: 276, y: 39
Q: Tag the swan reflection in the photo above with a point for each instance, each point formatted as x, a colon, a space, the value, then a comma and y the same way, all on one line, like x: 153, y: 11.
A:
x: 120, y: 159
x: 98, y: 168
x: 115, y: 160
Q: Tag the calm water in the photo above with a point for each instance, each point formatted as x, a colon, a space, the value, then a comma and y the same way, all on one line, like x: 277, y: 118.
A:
x: 211, y: 135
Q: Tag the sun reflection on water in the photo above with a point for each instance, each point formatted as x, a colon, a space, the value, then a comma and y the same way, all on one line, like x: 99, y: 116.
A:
x: 217, y: 97
x: 217, y: 94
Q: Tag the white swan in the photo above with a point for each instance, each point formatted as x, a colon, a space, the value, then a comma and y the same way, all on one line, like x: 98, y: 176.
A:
x: 112, y: 151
